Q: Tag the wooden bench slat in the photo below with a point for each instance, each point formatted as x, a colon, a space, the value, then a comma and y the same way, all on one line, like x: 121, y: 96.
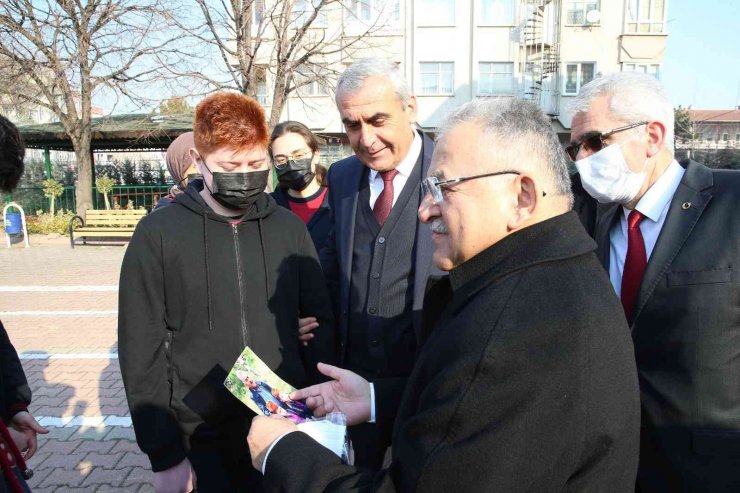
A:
x: 108, y: 223
x: 117, y: 234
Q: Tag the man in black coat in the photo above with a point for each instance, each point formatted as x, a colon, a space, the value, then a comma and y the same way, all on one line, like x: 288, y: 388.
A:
x: 677, y: 274
x: 527, y: 381
x: 15, y: 394
x: 374, y: 196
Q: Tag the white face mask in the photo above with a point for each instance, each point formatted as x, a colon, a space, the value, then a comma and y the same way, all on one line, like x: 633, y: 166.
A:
x: 607, y: 178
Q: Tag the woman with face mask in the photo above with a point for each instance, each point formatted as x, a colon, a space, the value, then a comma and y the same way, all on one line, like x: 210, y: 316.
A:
x: 301, y: 188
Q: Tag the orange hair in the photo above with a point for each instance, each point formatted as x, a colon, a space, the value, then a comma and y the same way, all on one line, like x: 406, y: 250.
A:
x: 229, y: 120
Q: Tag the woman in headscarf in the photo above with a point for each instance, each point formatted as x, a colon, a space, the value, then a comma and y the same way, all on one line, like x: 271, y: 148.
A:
x: 180, y: 165
x: 294, y: 151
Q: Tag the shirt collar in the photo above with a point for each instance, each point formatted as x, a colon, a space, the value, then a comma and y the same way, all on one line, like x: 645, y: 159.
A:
x: 660, y: 194
x: 406, y: 166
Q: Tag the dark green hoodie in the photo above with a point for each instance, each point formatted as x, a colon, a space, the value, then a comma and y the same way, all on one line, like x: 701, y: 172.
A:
x: 195, y: 289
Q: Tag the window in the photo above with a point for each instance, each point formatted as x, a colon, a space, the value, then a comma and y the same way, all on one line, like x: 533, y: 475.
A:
x: 495, y: 78
x: 374, y: 12
x: 725, y: 136
x: 310, y: 81
x: 436, y: 12
x: 577, y: 75
x: 737, y: 137
x: 258, y: 9
x: 262, y: 91
x: 304, y: 10
x: 577, y: 12
x: 646, y: 16
x: 497, y: 12
x: 646, y: 68
x: 437, y: 77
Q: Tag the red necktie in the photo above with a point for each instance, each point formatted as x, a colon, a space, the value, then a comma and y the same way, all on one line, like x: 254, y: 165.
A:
x: 384, y: 203
x: 634, y: 264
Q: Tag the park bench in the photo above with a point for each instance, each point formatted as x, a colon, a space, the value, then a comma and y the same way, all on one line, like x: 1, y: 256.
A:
x: 105, y: 223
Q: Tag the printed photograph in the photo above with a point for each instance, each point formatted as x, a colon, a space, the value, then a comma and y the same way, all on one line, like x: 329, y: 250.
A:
x: 253, y: 383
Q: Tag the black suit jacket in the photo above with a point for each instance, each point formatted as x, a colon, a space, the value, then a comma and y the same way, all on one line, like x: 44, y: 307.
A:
x: 344, y: 178
x: 687, y: 337
x: 517, y: 388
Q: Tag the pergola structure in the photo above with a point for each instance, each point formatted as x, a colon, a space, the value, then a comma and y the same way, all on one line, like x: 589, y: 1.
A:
x: 130, y: 132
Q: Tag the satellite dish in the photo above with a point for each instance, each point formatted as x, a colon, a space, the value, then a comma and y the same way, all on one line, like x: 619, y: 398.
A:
x: 593, y: 16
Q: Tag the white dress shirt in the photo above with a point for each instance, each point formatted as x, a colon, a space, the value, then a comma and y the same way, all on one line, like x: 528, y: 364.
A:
x: 404, y: 169
x: 654, y: 206
x: 371, y: 420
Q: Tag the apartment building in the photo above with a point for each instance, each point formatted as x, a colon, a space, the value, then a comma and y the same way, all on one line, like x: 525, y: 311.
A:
x: 454, y: 51
x: 713, y: 129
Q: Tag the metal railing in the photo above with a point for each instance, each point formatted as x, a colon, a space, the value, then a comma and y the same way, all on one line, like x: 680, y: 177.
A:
x: 32, y: 199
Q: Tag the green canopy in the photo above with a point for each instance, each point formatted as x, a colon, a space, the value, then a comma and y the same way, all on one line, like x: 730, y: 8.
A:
x: 131, y: 132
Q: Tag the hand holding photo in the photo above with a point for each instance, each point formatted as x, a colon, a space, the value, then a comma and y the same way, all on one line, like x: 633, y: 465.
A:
x: 253, y: 383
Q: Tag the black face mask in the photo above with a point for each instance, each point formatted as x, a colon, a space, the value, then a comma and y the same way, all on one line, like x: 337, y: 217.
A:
x: 238, y: 191
x: 296, y: 174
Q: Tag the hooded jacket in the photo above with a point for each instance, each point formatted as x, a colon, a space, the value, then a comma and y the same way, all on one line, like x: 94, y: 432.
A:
x: 195, y: 289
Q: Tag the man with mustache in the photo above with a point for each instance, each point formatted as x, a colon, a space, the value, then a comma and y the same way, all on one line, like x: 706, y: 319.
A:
x: 378, y: 256
x: 526, y: 379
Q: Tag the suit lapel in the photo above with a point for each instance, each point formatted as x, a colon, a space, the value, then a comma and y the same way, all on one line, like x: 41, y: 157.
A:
x: 347, y: 219
x: 687, y: 206
x: 607, y: 215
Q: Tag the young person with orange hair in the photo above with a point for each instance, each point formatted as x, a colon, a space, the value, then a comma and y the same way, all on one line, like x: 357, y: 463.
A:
x: 221, y: 268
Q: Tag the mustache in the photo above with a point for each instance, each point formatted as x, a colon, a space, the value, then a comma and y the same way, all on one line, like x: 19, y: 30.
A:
x: 438, y: 227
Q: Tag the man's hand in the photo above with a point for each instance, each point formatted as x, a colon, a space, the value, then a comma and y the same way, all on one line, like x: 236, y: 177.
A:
x: 262, y: 433
x: 19, y: 438
x: 347, y: 392
x: 176, y: 479
x: 25, y: 423
x: 305, y: 329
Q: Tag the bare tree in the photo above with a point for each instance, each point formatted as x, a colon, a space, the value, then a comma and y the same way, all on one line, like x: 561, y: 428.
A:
x: 68, y: 51
x: 277, y: 47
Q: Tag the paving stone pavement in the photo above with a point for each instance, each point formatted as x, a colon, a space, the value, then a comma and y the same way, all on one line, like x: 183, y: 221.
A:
x: 71, y: 364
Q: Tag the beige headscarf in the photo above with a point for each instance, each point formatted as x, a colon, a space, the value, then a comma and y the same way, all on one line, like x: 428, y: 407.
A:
x: 178, y: 160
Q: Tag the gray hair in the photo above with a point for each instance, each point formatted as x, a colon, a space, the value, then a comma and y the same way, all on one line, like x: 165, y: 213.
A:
x: 356, y: 74
x: 633, y: 97
x: 520, y: 135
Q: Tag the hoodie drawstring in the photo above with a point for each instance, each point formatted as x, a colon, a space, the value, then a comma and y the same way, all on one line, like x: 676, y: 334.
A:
x: 208, y: 273
x: 264, y: 260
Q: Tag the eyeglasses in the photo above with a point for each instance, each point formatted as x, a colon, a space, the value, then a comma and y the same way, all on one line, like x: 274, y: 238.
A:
x: 594, y: 141
x: 434, y: 186
x: 281, y: 161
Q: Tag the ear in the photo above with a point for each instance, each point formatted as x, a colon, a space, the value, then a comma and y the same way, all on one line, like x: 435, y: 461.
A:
x: 411, y: 109
x: 526, y: 200
x: 656, y: 138
x: 197, y: 161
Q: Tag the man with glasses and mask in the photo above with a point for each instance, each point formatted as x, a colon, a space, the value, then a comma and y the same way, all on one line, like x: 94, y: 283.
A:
x: 221, y: 268
x: 526, y: 379
x: 669, y: 237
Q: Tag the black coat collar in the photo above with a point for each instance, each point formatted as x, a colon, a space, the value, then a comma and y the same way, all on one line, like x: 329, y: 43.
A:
x: 557, y: 238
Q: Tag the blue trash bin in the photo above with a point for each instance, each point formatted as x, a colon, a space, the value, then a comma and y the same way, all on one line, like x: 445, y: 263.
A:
x: 13, y: 223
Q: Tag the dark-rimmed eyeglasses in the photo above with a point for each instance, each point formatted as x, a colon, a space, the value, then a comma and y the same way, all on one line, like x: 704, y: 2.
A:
x: 434, y: 186
x: 281, y: 161
x: 594, y: 141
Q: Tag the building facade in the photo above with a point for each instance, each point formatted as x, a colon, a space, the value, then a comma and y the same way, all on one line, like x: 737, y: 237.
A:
x: 454, y: 51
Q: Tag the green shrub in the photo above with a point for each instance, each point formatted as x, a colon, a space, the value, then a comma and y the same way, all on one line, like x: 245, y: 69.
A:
x: 45, y: 223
